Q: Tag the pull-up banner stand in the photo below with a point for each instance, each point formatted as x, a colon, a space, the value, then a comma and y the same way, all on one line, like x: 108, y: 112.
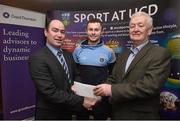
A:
x: 21, y: 33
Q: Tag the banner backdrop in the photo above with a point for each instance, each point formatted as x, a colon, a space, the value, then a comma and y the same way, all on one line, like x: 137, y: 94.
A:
x: 166, y: 33
x: 21, y: 33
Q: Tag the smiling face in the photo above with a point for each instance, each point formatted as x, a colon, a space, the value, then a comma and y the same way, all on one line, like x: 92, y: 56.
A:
x: 94, y: 32
x: 139, y: 29
x: 55, y: 33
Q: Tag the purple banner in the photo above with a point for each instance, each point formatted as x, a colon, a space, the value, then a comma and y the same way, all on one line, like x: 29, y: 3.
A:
x: 18, y: 93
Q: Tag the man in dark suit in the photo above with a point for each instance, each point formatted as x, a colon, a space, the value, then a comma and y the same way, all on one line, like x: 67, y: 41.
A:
x: 138, y: 75
x: 52, y: 79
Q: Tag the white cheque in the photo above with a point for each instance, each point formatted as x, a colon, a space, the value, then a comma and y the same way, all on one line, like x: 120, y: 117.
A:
x: 85, y: 90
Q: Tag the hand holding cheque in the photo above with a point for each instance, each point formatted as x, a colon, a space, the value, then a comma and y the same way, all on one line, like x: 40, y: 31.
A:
x: 86, y: 91
x: 103, y: 90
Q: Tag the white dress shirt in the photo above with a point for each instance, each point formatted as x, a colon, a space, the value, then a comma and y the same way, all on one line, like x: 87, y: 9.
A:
x: 134, y: 52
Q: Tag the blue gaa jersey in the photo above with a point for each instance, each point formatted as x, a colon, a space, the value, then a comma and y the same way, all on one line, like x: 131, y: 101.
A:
x: 93, y: 61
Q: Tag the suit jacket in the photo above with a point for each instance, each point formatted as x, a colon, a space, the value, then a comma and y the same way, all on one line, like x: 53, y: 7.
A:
x: 51, y: 82
x: 135, y: 94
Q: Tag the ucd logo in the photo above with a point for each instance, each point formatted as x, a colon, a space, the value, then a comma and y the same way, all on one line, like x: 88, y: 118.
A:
x: 66, y: 18
x: 6, y: 15
x: 101, y: 60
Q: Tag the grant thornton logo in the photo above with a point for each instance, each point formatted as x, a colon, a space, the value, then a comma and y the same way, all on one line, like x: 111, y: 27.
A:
x: 6, y: 15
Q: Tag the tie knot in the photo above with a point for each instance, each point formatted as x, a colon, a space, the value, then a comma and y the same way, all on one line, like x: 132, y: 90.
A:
x: 59, y: 53
x: 134, y: 51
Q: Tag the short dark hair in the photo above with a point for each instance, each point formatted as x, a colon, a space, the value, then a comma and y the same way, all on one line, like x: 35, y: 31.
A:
x: 48, y: 21
x: 95, y: 20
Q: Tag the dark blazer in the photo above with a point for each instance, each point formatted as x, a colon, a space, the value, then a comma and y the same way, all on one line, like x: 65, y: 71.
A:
x: 52, y: 86
x: 135, y: 94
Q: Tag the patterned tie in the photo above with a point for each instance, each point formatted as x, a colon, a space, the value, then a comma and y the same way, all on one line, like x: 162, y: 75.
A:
x: 64, y: 64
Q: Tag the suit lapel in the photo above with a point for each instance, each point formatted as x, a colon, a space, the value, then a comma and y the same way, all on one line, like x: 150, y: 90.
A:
x: 53, y: 58
x: 139, y: 56
x: 62, y: 74
x: 122, y: 62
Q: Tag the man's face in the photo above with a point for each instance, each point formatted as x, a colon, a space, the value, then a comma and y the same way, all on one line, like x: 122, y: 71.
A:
x: 139, y: 30
x: 94, y: 31
x: 55, y: 33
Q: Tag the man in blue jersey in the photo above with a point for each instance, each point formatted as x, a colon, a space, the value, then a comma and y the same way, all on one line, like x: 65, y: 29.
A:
x: 94, y: 60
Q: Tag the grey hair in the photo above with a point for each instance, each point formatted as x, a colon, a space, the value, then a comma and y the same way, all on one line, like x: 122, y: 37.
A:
x: 149, y: 18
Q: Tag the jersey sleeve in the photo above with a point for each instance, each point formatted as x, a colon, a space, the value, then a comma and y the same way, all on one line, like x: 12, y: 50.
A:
x: 111, y: 55
x: 75, y: 54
